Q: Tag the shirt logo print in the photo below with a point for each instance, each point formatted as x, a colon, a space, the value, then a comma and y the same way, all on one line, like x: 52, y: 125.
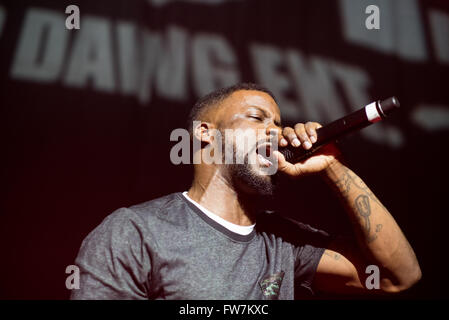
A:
x: 271, y: 285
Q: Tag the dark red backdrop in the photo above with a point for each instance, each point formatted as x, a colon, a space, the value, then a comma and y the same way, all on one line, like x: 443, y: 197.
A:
x: 86, y: 114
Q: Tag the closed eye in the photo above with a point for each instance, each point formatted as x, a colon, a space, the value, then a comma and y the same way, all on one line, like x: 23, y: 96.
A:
x: 256, y: 117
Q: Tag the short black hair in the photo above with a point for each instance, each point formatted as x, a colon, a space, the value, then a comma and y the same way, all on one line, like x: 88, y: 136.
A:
x: 214, y: 98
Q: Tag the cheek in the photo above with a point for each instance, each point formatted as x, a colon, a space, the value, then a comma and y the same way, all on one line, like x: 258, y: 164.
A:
x: 245, y: 143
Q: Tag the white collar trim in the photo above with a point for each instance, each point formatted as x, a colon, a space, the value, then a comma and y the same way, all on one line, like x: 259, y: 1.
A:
x: 242, y: 230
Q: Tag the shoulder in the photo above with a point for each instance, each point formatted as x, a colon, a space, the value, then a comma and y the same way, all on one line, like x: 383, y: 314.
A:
x: 169, y: 209
x: 170, y: 200
x: 143, y: 218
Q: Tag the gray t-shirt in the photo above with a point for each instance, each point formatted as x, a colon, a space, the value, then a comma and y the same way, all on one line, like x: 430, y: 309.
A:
x: 168, y: 248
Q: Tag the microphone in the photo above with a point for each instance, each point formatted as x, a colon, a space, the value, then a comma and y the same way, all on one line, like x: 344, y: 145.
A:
x: 373, y: 112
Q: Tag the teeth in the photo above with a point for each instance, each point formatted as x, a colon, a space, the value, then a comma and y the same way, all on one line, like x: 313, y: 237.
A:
x: 265, y: 162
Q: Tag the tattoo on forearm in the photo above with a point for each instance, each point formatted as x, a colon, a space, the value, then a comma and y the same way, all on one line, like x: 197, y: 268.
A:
x: 378, y: 227
x: 363, y: 207
x: 349, y: 180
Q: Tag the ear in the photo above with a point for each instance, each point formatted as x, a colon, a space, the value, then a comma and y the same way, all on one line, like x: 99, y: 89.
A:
x: 204, y: 132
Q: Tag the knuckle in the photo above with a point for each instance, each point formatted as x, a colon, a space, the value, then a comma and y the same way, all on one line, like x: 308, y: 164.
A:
x: 287, y: 130
x: 311, y: 125
x: 299, y: 126
x: 292, y: 136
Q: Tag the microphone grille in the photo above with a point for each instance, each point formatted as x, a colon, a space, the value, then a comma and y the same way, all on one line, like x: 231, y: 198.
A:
x: 288, y: 154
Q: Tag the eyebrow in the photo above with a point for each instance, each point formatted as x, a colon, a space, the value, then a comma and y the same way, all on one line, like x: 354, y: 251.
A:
x: 276, y: 122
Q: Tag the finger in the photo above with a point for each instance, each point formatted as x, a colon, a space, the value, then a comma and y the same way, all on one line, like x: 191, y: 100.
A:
x: 285, y: 166
x: 277, y: 134
x: 283, y: 142
x: 291, y: 136
x: 303, y: 136
x: 311, y: 130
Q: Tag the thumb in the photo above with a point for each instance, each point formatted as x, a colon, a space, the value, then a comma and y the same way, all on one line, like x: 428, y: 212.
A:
x: 286, y: 167
x: 283, y: 165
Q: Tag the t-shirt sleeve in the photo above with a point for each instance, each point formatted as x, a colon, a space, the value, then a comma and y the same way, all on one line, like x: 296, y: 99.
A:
x: 114, y: 260
x: 308, y: 247
x: 309, y: 251
x: 306, y: 264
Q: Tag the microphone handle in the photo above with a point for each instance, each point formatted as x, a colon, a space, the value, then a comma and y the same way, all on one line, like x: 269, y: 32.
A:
x: 357, y: 120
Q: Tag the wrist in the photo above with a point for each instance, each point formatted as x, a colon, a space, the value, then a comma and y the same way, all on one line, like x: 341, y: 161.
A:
x: 334, y: 170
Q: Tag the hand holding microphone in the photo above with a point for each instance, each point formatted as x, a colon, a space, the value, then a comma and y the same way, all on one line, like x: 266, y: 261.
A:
x: 291, y: 154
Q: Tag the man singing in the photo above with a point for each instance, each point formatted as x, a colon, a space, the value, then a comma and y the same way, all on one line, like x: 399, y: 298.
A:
x: 215, y: 241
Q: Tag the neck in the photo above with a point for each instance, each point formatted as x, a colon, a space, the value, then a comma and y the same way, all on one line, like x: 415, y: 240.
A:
x: 214, y: 192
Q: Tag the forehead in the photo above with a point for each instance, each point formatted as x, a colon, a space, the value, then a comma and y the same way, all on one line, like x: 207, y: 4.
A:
x: 242, y: 100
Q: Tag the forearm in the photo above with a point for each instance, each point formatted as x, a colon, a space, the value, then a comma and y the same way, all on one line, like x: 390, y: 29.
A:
x: 378, y: 235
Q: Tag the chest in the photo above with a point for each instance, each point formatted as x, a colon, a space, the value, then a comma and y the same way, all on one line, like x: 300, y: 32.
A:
x: 222, y: 270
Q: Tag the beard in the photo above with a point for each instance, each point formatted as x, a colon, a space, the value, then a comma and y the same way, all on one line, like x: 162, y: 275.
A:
x: 246, y: 180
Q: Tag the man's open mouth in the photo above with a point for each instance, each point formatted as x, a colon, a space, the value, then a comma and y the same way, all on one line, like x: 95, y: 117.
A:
x: 264, y: 155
